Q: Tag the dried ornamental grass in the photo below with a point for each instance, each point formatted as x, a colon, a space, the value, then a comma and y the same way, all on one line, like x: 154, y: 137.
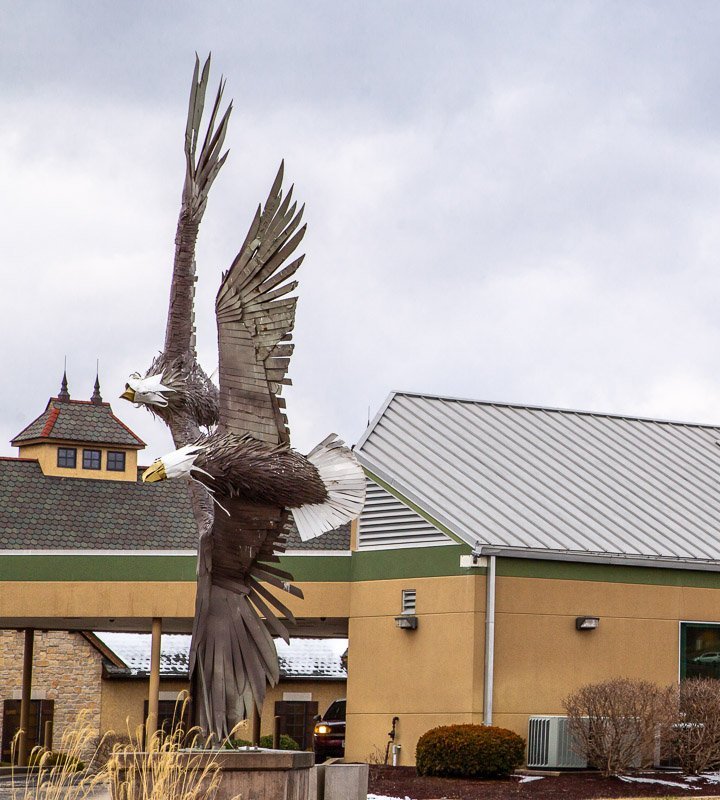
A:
x: 166, y: 770
x: 178, y: 766
x: 63, y: 775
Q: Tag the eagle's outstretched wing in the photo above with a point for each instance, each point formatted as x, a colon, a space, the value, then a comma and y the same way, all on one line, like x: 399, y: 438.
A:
x: 200, y: 172
x: 175, y: 387
x: 255, y: 318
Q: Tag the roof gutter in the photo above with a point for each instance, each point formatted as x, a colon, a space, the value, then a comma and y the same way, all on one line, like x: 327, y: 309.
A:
x: 614, y: 559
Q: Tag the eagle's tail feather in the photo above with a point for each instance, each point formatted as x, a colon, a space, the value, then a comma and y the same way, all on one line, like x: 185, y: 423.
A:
x: 231, y: 668
x: 344, y: 481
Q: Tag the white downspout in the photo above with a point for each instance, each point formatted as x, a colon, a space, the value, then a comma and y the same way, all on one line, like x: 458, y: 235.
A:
x: 489, y: 640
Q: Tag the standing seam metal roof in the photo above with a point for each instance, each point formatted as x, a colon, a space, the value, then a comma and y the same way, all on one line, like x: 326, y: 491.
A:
x: 546, y: 479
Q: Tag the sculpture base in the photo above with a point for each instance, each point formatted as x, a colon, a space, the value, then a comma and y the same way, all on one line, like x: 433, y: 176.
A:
x: 263, y: 774
x: 257, y: 774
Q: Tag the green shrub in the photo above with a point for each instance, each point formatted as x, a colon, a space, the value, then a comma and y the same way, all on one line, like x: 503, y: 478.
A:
x: 286, y: 742
x: 469, y: 751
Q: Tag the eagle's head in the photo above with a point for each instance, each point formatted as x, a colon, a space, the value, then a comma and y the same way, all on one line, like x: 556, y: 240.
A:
x: 173, y: 465
x: 150, y: 391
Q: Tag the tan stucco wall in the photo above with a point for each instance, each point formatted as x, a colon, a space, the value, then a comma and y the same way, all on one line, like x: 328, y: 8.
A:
x: 540, y: 657
x: 86, y: 599
x: 147, y: 599
x: 434, y: 676
x: 427, y: 677
x: 46, y: 454
x: 123, y: 702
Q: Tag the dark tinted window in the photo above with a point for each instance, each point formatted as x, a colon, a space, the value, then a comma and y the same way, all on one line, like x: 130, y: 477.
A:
x: 116, y: 461
x: 67, y: 457
x: 336, y: 711
x: 699, y: 650
x: 91, y: 459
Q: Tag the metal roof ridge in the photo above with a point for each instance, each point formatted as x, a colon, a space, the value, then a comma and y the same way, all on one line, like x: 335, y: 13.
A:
x: 530, y: 407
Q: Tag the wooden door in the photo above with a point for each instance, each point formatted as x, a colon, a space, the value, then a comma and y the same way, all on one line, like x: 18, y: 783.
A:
x: 297, y: 720
x: 41, y: 711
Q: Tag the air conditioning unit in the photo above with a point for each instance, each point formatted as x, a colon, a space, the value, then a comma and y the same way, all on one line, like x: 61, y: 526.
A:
x: 551, y: 744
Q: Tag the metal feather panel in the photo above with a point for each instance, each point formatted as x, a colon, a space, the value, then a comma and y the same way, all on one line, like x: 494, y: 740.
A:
x: 255, y: 318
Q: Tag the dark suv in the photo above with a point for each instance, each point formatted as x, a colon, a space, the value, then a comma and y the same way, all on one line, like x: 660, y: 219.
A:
x: 329, y: 732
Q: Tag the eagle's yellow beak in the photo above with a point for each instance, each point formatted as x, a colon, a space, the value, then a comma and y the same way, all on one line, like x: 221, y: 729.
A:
x: 128, y: 394
x: 155, y: 472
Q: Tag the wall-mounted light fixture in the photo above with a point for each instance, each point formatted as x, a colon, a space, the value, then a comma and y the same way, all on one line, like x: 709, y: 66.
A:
x: 586, y: 623
x: 407, y: 622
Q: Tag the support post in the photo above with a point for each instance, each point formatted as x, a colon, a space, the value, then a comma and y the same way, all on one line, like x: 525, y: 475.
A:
x: 276, y: 734
x: 256, y: 727
x: 25, y: 698
x: 47, y: 735
x: 151, y: 724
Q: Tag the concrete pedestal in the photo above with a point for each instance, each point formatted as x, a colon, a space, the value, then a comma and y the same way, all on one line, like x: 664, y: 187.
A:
x: 261, y: 774
x: 346, y: 781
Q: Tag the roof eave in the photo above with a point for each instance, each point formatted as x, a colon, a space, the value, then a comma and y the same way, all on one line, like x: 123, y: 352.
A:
x: 611, y: 559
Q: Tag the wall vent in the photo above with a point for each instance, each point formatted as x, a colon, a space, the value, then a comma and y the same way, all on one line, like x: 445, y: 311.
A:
x: 551, y: 745
x: 408, y: 601
x: 387, y: 523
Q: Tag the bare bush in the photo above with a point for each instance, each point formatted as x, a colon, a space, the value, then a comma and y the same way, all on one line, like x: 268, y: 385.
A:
x: 696, y: 739
x: 618, y: 724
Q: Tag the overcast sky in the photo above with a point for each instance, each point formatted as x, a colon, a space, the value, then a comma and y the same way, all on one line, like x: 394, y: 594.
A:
x: 508, y: 201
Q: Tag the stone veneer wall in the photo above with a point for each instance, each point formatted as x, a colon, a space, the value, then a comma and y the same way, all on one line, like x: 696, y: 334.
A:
x: 66, y: 669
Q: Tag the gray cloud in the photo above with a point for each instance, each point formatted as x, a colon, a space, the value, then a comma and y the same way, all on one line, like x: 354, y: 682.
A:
x: 510, y: 201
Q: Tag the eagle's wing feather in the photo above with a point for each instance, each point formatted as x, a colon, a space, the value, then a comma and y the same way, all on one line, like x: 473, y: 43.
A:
x: 255, y: 318
x: 200, y: 172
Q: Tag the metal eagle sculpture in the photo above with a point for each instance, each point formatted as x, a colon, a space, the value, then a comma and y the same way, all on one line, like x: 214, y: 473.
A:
x: 242, y: 463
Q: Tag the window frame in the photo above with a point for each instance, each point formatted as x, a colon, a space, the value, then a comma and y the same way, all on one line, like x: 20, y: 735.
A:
x: 111, y: 454
x: 62, y: 454
x: 683, y: 625
x: 90, y: 452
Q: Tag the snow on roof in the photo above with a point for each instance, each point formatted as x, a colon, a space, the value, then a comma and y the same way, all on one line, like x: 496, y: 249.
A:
x: 302, y: 658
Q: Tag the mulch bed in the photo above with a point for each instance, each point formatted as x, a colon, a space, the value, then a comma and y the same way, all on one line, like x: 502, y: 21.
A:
x: 404, y: 782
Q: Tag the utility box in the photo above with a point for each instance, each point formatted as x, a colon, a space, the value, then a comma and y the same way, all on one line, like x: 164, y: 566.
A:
x: 346, y: 781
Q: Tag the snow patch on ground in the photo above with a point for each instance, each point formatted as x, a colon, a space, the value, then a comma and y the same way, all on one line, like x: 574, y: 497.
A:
x: 529, y: 778
x: 385, y: 797
x: 675, y: 784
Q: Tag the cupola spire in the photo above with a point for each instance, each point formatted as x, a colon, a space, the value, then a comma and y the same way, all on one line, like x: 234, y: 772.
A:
x: 96, y: 396
x: 64, y: 394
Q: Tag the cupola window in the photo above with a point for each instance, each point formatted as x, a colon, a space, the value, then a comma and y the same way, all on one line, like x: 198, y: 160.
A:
x: 67, y: 457
x: 115, y: 461
x: 91, y: 459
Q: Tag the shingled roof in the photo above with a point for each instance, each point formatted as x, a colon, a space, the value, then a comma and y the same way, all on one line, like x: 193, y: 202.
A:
x: 339, y: 539
x: 79, y: 421
x: 43, y: 512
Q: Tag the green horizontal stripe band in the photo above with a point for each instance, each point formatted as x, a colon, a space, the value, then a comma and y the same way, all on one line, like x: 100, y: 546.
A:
x: 420, y: 562
x: 97, y: 568
x: 141, y: 568
x: 411, y: 562
x: 605, y: 573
